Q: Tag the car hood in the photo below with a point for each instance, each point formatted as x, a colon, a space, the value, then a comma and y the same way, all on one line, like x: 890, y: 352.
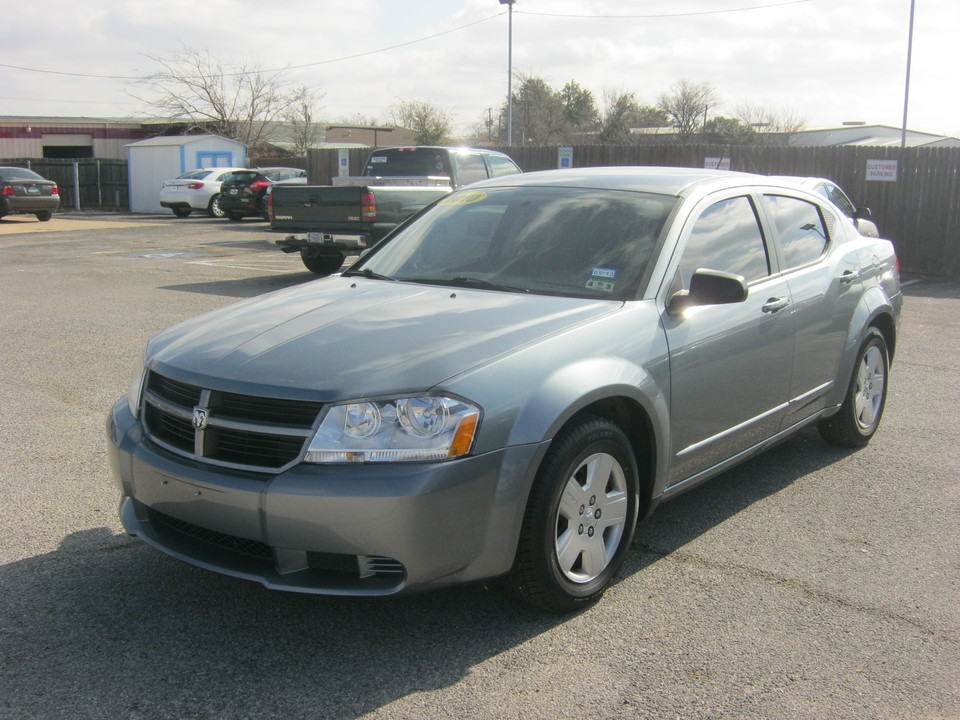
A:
x: 342, y: 338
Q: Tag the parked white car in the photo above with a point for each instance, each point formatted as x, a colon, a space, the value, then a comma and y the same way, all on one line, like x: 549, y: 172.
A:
x: 195, y: 190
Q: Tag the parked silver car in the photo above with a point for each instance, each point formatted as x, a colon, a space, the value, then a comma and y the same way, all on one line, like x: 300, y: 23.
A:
x: 507, y: 384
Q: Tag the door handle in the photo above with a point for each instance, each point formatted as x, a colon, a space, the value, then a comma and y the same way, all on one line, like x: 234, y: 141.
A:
x: 775, y: 305
x: 848, y: 277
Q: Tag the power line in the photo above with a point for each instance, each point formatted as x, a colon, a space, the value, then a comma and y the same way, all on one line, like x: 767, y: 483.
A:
x: 664, y: 15
x: 272, y: 70
x: 368, y: 53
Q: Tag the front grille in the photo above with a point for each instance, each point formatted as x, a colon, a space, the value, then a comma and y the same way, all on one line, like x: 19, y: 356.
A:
x: 254, y: 548
x: 245, y: 431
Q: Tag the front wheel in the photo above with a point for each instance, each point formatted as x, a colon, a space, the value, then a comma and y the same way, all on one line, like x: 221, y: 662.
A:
x: 182, y: 212
x: 579, y: 520
x: 234, y: 215
x: 859, y: 415
x: 321, y: 264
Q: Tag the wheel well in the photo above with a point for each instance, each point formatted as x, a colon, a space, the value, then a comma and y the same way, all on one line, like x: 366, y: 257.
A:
x: 635, y: 423
x: 884, y: 323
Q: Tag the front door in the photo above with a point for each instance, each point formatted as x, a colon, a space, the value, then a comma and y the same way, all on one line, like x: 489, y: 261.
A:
x: 730, y: 365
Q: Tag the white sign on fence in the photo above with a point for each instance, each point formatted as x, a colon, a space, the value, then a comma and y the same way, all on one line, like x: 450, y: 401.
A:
x: 717, y: 163
x: 565, y: 157
x: 883, y: 170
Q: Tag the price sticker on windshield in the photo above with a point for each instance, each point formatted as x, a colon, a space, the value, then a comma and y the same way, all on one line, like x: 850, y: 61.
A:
x: 467, y: 198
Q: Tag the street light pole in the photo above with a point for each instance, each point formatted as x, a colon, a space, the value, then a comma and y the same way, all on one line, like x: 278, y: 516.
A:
x: 509, y: 4
x: 906, y: 91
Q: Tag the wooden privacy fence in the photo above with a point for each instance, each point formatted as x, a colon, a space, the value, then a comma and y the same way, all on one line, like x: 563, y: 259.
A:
x: 84, y: 184
x: 918, y: 210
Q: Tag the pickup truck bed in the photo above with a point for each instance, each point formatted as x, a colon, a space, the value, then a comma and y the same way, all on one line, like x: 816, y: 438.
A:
x: 330, y: 221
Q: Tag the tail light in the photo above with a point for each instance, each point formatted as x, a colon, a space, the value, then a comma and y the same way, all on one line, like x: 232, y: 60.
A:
x: 259, y: 185
x: 55, y: 191
x: 9, y: 191
x: 195, y: 186
x: 368, y: 207
x: 270, y: 205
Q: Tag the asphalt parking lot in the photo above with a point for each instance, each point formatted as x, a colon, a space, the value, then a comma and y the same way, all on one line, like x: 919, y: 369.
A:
x: 808, y: 583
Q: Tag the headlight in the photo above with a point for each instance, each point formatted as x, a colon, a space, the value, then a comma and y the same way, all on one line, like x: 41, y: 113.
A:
x: 134, y: 394
x: 408, y: 429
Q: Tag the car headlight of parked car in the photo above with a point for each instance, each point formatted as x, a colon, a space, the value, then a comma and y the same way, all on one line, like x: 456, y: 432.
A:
x: 424, y: 428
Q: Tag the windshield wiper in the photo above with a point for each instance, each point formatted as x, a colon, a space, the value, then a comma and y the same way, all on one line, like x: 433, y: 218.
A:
x: 367, y: 273
x: 472, y: 282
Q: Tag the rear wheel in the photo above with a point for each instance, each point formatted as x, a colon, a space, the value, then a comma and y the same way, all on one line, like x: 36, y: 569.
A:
x: 859, y: 415
x: 235, y: 216
x: 182, y: 212
x: 214, y: 207
x: 44, y: 215
x: 322, y: 264
x: 579, y: 520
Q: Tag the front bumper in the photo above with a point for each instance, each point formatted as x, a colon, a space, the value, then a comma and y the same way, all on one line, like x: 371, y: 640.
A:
x: 335, y: 530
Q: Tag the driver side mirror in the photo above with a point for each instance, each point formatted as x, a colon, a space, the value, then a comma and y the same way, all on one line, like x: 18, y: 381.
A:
x: 709, y: 287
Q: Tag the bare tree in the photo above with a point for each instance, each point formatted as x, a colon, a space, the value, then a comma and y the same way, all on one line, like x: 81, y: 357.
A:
x: 686, y: 105
x: 773, y: 125
x: 236, y: 101
x: 430, y: 124
x: 301, y: 117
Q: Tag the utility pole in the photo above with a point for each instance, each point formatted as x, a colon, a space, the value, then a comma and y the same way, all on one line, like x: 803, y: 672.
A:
x: 509, y: 3
x: 906, y: 91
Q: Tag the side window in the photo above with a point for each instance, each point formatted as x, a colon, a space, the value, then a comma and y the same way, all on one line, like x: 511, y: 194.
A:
x: 500, y: 166
x: 470, y: 169
x: 800, y: 225
x: 726, y: 237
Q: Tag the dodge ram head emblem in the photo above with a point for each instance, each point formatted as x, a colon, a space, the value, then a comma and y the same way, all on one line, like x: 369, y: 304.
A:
x: 199, y: 418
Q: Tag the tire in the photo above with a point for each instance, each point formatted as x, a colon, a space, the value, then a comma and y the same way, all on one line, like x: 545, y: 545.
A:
x: 44, y: 215
x: 322, y: 264
x: 579, y: 519
x: 859, y: 415
x: 235, y: 216
x: 182, y: 212
x: 213, y: 208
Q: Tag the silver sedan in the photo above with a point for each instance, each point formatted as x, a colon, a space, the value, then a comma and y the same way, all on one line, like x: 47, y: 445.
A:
x: 507, y: 384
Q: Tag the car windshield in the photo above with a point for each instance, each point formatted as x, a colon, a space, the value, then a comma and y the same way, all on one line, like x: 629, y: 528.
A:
x: 18, y: 174
x: 573, y: 242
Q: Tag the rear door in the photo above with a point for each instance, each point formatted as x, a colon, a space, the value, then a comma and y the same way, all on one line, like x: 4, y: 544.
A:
x: 823, y: 273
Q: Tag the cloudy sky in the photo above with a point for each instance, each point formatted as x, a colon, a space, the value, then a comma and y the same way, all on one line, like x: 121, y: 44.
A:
x: 829, y: 61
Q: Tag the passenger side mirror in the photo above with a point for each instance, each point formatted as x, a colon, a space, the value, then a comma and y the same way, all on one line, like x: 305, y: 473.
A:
x: 709, y: 287
x: 862, y: 214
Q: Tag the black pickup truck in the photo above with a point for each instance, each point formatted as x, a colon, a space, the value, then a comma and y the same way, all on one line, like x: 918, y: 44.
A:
x: 332, y: 221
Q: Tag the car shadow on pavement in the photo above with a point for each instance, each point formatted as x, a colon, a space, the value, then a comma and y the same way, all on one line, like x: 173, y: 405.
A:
x: 245, y: 287
x: 107, y: 622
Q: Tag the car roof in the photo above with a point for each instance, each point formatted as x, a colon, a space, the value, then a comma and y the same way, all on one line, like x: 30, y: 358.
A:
x: 661, y: 180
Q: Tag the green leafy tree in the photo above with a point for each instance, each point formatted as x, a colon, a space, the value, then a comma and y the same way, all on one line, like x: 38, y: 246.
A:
x: 430, y: 124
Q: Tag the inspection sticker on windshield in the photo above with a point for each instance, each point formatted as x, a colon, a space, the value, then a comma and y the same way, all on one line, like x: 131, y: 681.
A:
x: 463, y: 198
x: 602, y: 279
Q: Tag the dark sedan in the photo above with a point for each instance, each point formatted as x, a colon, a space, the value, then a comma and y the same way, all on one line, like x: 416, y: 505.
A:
x: 23, y: 191
x: 244, y: 192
